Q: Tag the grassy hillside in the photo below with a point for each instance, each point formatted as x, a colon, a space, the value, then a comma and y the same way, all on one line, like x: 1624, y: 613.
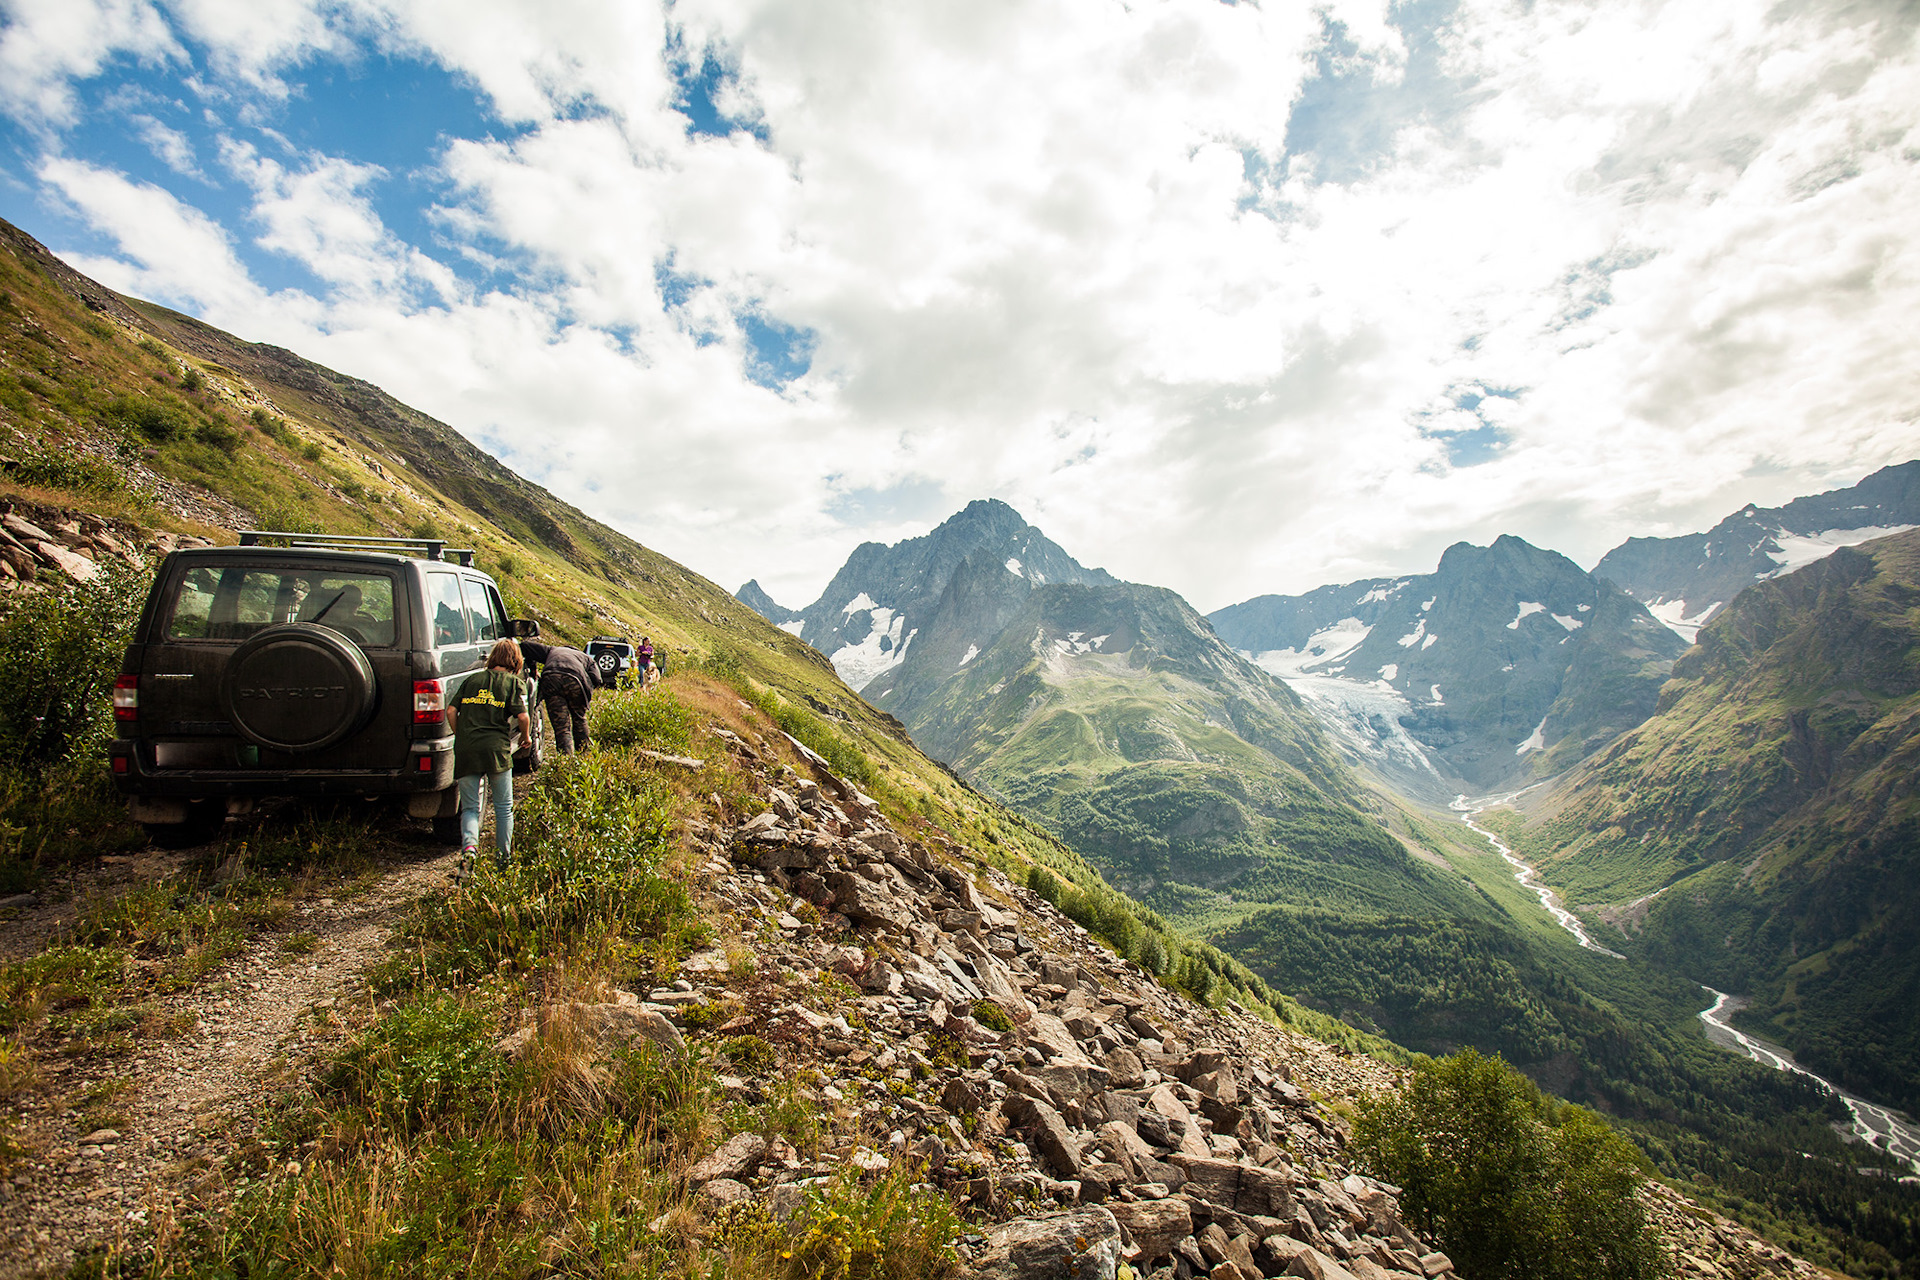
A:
x: 164, y: 424
x: 1192, y: 779
x: 1772, y: 807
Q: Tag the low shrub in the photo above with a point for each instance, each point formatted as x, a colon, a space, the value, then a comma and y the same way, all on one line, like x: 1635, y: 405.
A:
x: 430, y: 1061
x: 221, y: 436
x: 59, y: 654
x: 584, y: 886
x: 74, y: 472
x: 650, y: 718
x: 886, y: 1229
x: 156, y: 418
x: 1512, y: 1186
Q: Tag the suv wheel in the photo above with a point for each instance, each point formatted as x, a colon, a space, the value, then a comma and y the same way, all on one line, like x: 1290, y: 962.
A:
x: 205, y: 820
x: 298, y: 687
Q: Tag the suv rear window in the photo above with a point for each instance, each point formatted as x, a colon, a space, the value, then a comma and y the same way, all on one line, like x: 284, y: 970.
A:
x: 231, y: 602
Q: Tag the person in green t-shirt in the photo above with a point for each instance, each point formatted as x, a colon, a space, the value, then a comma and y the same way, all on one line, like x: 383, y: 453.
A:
x: 483, y: 718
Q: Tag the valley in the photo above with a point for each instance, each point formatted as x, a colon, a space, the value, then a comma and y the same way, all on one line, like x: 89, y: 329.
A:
x: 1321, y: 838
x: 1241, y: 823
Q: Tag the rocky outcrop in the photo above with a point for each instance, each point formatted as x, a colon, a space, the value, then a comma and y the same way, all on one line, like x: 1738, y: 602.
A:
x: 1098, y: 1117
x: 51, y: 544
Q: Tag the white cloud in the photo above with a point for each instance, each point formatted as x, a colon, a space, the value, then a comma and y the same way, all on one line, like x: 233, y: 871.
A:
x: 1057, y: 252
x: 46, y: 45
x: 169, y: 251
x: 171, y: 146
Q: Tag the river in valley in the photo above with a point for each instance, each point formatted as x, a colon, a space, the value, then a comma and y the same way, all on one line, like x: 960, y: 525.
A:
x: 1527, y: 876
x: 1877, y: 1126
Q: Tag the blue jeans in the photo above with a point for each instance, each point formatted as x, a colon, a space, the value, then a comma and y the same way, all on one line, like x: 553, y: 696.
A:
x: 500, y: 785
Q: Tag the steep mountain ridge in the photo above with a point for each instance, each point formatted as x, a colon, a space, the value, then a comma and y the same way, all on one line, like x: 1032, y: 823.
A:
x: 882, y: 599
x: 1761, y: 832
x: 1687, y: 580
x: 1112, y: 713
x: 1506, y: 663
x: 755, y: 597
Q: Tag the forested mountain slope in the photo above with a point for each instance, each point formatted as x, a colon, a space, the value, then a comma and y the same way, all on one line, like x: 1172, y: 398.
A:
x: 1762, y: 831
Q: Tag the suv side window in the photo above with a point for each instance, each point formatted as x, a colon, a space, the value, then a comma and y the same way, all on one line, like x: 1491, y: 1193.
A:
x: 445, y: 613
x: 483, y: 614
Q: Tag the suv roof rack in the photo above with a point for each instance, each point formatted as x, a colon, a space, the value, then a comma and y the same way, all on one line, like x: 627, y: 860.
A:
x: 431, y: 548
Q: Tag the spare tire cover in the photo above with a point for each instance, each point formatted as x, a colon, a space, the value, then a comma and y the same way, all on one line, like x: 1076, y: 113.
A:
x: 298, y: 687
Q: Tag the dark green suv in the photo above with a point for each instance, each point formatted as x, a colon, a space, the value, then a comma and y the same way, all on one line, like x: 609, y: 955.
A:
x: 301, y: 666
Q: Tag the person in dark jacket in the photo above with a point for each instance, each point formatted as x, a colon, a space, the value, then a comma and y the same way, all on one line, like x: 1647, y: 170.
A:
x: 568, y: 678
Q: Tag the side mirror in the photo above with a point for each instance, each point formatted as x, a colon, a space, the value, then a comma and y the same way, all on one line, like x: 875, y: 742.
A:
x: 523, y: 628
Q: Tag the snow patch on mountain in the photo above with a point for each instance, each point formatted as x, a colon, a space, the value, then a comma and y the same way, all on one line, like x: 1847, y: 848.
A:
x: 1413, y: 637
x: 1536, y: 741
x: 1673, y: 615
x: 1390, y: 672
x: 1013, y: 566
x: 795, y: 627
x: 973, y: 651
x: 1798, y: 550
x: 1383, y: 593
x: 1427, y: 643
x: 855, y: 605
x: 1571, y: 624
x: 1437, y: 699
x: 883, y: 649
x: 1323, y: 649
x: 1526, y: 607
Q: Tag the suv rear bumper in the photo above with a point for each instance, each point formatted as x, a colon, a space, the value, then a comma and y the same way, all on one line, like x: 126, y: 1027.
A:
x: 429, y: 768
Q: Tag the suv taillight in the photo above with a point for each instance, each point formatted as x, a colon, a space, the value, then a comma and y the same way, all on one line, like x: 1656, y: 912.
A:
x: 126, y: 698
x: 428, y: 708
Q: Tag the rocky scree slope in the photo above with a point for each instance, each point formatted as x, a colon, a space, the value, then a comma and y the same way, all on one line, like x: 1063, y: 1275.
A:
x: 1508, y: 662
x: 1689, y: 579
x: 1037, y: 1068
x: 1761, y: 833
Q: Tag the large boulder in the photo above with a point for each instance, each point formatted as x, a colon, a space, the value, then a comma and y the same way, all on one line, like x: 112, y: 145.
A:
x: 1048, y: 1132
x: 735, y: 1158
x: 1082, y: 1245
x: 1155, y: 1225
x: 1311, y: 1264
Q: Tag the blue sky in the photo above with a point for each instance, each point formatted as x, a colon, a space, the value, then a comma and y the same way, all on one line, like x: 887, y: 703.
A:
x: 1310, y: 291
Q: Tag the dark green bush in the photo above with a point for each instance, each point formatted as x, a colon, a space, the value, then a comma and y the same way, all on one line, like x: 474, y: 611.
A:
x: 154, y: 418
x: 636, y: 718
x: 1513, y: 1187
x: 59, y: 653
x: 221, y: 436
x: 430, y: 1060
